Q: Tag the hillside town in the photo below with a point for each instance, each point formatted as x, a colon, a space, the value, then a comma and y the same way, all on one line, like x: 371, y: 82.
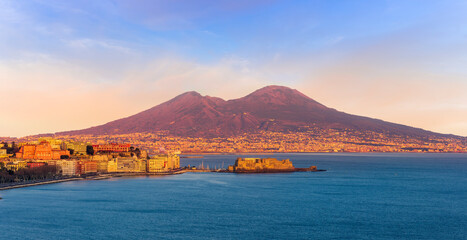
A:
x: 75, y: 158
x: 309, y: 139
x: 158, y: 153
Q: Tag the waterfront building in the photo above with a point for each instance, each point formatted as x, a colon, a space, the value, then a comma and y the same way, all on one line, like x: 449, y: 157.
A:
x: 102, y: 166
x: 102, y: 161
x: 87, y: 167
x: 128, y: 164
x: 112, y: 166
x: 143, y: 166
x: 174, y: 161
x: 68, y: 167
x: 156, y: 164
x: 162, y: 163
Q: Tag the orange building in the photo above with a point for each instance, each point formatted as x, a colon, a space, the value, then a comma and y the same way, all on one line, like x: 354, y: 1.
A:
x: 42, y: 151
x: 113, y: 147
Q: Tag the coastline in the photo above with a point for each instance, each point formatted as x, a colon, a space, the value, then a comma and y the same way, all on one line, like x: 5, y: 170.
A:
x: 39, y: 183
x: 95, y: 177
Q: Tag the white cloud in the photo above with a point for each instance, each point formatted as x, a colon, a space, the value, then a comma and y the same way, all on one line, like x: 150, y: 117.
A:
x: 50, y: 95
x: 87, y: 44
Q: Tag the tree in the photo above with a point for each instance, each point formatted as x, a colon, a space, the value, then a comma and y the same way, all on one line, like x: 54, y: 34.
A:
x: 14, y: 148
x: 71, y: 151
x: 138, y: 152
x: 89, y: 150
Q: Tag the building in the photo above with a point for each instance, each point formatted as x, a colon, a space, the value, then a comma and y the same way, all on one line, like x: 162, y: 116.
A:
x: 41, y: 151
x: 101, y: 157
x: 35, y: 164
x: 87, y: 167
x: 174, y: 161
x: 27, y: 151
x: 128, y: 164
x: 143, y: 166
x: 15, y: 166
x: 55, y: 144
x: 79, y: 148
x: 102, y: 166
x: 112, y: 147
x: 68, y: 167
x: 112, y: 166
x: 163, y: 163
x: 156, y: 164
x: 3, y: 153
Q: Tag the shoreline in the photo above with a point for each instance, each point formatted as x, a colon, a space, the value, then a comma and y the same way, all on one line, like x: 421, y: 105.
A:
x: 94, y: 177
x: 40, y: 183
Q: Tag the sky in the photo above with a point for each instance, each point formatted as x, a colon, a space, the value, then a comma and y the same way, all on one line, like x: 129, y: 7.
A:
x: 67, y: 65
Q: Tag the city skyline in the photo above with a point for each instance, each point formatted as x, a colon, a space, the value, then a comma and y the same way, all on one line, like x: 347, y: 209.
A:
x: 70, y: 65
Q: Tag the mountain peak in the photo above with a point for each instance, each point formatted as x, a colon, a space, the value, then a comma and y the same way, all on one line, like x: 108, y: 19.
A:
x: 187, y: 96
x: 271, y: 89
x: 191, y: 93
x: 271, y: 108
x: 277, y: 91
x: 280, y: 95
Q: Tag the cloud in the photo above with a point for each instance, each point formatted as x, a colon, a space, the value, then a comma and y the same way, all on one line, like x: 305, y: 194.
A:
x: 380, y: 80
x: 68, y: 65
x: 177, y: 15
x: 87, y: 44
x: 50, y: 95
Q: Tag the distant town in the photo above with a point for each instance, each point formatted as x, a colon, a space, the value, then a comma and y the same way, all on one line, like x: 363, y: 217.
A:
x: 309, y: 140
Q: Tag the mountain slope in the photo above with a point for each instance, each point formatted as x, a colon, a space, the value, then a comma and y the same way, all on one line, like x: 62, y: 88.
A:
x: 272, y: 108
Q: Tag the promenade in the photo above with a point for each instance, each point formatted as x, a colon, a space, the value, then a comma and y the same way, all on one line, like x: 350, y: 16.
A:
x: 37, y: 183
x: 96, y: 177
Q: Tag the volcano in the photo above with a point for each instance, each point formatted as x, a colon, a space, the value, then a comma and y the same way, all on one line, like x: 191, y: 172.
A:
x: 272, y: 108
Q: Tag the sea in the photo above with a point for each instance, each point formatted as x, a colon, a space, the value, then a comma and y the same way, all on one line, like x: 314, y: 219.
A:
x: 360, y: 196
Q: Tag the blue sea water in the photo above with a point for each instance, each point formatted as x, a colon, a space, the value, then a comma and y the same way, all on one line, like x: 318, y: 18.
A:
x: 361, y: 196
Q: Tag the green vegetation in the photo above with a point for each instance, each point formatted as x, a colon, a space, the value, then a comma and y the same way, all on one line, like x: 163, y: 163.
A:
x: 45, y: 172
x: 89, y: 150
x: 10, y: 150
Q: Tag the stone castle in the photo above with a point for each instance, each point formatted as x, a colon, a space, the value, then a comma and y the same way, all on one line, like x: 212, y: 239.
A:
x: 261, y: 165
